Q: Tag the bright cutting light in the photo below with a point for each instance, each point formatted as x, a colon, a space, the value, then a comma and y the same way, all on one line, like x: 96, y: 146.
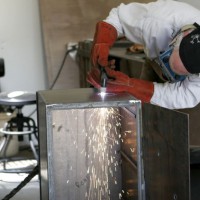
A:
x: 103, y: 94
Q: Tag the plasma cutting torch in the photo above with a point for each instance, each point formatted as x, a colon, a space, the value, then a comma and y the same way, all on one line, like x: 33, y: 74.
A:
x: 104, y: 79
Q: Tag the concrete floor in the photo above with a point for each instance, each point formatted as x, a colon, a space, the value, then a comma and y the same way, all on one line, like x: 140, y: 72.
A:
x: 9, y: 181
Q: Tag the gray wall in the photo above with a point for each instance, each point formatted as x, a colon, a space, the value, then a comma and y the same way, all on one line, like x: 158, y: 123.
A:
x: 21, y: 46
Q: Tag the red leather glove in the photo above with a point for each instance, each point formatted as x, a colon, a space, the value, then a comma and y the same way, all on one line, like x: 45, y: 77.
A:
x: 104, y: 38
x: 93, y: 78
x: 140, y: 89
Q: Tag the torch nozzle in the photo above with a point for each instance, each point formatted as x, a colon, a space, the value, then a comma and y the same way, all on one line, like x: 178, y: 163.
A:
x: 103, y: 77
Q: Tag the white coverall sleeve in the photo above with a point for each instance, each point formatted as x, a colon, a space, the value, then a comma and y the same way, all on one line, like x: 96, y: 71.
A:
x: 185, y: 94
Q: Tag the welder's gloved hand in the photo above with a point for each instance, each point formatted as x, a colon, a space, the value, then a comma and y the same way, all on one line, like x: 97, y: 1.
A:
x: 120, y: 82
x: 104, y: 38
x: 93, y: 77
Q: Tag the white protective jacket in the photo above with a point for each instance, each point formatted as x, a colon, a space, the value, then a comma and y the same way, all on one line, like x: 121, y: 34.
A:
x: 154, y: 25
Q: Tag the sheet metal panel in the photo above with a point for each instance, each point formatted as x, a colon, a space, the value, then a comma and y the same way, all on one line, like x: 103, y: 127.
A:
x: 166, y: 154
x: 129, y: 155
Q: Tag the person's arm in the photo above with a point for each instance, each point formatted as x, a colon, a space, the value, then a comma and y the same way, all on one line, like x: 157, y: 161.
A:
x: 153, y: 24
x: 132, y: 21
x: 107, y: 32
x: 180, y: 95
x: 104, y: 38
x: 185, y: 94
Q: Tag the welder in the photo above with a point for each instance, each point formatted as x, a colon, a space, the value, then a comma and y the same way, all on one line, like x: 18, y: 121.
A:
x: 170, y: 33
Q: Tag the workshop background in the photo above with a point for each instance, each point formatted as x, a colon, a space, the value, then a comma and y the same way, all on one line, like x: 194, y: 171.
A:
x: 35, y: 34
x: 60, y: 27
x: 34, y: 38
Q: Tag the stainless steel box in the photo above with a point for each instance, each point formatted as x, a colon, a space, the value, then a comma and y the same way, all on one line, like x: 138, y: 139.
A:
x: 111, y: 147
x: 89, y: 145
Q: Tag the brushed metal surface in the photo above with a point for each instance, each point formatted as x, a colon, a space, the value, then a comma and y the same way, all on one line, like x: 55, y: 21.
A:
x: 129, y: 155
x: 81, y: 140
x: 166, y: 153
